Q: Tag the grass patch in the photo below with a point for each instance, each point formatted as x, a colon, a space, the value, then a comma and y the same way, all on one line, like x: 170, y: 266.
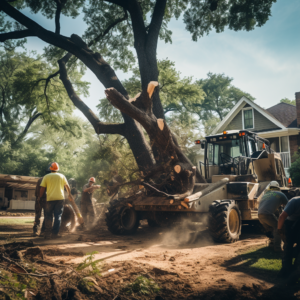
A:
x: 264, y: 260
x: 16, y: 221
x: 141, y: 286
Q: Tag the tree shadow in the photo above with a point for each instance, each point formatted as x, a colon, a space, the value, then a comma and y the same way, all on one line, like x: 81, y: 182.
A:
x: 262, y: 263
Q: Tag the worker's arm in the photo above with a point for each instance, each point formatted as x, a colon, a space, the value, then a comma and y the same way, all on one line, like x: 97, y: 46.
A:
x: 42, y: 191
x: 93, y: 187
x: 281, y: 219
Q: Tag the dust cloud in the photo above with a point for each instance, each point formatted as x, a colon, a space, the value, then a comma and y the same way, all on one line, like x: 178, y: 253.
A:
x: 187, y: 233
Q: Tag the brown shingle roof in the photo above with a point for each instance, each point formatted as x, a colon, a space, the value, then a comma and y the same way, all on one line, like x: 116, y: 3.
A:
x: 284, y: 113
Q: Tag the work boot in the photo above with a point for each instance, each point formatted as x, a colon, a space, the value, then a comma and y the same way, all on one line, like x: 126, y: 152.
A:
x: 56, y: 236
x: 35, y: 231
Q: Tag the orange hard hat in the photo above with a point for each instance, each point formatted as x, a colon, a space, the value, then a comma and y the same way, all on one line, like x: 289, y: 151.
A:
x: 54, y: 166
x: 92, y: 179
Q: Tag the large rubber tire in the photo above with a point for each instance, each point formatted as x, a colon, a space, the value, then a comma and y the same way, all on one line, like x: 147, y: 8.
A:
x: 225, y: 221
x: 121, y: 219
x: 68, y: 219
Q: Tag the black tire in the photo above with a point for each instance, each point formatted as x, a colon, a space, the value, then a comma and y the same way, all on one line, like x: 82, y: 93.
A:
x: 121, y: 219
x: 68, y: 219
x: 225, y: 221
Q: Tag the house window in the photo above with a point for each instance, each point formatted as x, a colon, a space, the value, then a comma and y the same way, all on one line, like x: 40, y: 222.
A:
x: 248, y: 118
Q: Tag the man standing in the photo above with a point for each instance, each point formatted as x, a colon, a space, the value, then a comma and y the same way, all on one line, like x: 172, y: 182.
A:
x: 40, y: 204
x: 55, y: 184
x: 268, y: 205
x: 289, y: 227
x: 87, y: 208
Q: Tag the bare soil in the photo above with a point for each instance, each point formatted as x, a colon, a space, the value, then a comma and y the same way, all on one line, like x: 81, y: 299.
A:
x: 183, y: 261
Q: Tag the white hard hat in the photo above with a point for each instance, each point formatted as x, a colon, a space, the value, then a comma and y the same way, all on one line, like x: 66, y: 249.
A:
x: 273, y: 184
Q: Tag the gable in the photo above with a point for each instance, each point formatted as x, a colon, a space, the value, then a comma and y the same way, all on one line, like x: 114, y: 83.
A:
x: 261, y: 123
x: 262, y: 119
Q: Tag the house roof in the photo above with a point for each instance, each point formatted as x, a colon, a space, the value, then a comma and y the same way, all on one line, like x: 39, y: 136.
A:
x: 18, y: 182
x: 239, y: 105
x: 285, y: 113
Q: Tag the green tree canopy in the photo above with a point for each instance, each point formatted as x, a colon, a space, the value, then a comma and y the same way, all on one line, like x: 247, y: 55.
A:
x: 24, y: 97
x: 288, y: 101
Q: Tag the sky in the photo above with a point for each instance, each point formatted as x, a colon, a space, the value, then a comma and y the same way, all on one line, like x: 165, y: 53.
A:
x: 264, y: 62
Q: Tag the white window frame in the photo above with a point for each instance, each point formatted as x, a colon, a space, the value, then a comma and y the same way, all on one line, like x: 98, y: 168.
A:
x: 248, y: 108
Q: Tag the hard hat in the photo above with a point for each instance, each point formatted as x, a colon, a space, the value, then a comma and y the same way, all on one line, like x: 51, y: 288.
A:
x: 92, y: 179
x: 274, y: 184
x: 54, y: 166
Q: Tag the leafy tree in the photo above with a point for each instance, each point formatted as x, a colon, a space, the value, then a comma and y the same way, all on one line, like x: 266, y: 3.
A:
x: 113, y: 25
x: 221, y: 96
x: 25, y: 99
x: 288, y: 101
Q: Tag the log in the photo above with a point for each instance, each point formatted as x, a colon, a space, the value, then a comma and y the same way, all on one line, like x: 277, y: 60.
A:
x: 177, y: 169
x: 161, y: 124
x: 151, y: 87
x: 184, y: 204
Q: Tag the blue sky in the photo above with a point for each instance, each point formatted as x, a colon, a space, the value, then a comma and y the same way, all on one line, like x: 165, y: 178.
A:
x: 264, y: 62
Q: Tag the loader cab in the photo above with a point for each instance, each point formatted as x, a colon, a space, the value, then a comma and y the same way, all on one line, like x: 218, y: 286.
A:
x: 229, y: 153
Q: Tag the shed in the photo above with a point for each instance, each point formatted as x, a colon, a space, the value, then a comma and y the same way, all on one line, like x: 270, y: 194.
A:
x: 17, y: 192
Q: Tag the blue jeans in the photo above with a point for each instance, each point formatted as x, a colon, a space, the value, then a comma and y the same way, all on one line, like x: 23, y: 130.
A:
x: 55, y: 208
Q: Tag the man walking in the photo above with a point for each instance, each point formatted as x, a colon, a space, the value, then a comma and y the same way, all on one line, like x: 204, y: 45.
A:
x: 268, y: 205
x: 55, y: 184
x: 87, y: 208
x: 289, y: 227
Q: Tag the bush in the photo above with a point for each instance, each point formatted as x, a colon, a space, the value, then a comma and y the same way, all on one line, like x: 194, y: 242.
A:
x: 295, y: 170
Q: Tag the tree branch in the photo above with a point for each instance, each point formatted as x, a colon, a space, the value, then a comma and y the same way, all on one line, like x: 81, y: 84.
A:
x: 74, y: 45
x: 122, y: 3
x: 57, y: 16
x: 156, y: 22
x: 109, y: 27
x: 13, y: 35
x: 94, y: 120
x: 29, y: 123
x: 121, y: 103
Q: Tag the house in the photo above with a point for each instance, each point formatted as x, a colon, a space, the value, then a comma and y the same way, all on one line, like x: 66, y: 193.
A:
x: 17, y: 192
x: 280, y: 124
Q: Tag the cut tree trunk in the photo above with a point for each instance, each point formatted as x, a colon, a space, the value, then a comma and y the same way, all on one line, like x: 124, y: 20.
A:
x: 173, y: 174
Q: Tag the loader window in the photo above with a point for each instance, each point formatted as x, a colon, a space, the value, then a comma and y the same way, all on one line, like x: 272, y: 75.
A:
x: 232, y: 148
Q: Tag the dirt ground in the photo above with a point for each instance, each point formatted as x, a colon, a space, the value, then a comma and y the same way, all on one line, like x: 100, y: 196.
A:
x: 183, y: 261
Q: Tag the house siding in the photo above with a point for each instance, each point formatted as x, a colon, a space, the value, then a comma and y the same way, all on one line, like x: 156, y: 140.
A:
x: 236, y: 123
x: 261, y: 123
x: 294, y: 140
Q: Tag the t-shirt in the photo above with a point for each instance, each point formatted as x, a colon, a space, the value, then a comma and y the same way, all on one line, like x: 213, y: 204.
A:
x: 293, y: 209
x: 87, y: 196
x: 54, y: 182
x: 271, y: 201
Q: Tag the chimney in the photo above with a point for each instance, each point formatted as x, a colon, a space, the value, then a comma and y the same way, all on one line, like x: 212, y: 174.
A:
x: 298, y: 108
